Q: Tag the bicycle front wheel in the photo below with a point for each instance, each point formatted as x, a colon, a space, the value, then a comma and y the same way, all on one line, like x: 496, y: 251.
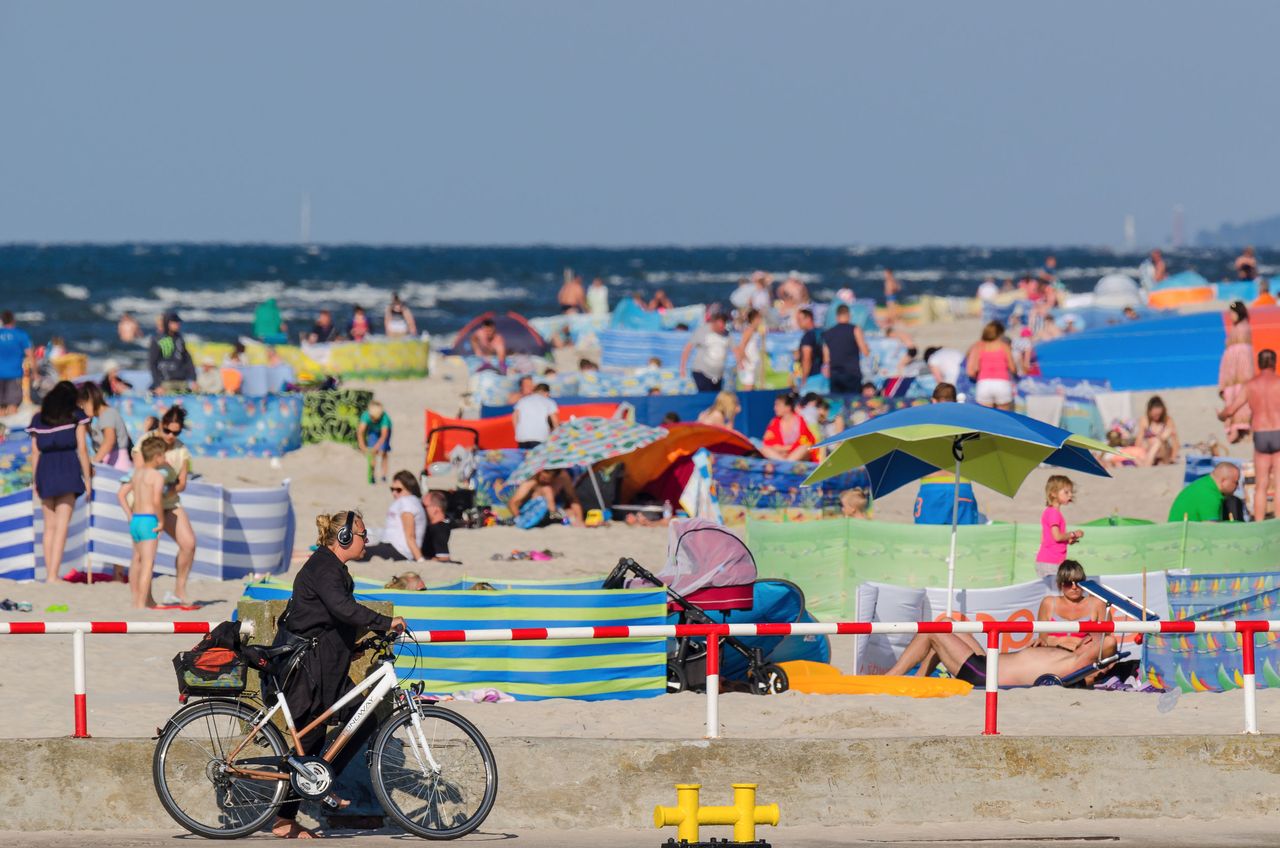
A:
x: 436, y: 777
x: 192, y: 773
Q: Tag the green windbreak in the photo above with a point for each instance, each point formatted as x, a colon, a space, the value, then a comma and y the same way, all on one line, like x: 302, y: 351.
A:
x: 829, y: 558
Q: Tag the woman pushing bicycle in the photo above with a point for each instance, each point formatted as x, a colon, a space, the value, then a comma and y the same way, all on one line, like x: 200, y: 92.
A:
x: 324, y: 608
x: 223, y: 770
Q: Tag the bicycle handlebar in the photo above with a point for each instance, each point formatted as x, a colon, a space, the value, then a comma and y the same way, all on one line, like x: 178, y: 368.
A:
x: 381, y: 640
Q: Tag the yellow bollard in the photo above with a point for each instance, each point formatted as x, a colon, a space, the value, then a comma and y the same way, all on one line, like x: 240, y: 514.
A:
x: 749, y: 815
x: 684, y: 814
x: 744, y: 815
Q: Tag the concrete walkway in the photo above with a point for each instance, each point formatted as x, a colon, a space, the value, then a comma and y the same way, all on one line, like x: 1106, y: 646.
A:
x: 1122, y: 833
x: 966, y: 785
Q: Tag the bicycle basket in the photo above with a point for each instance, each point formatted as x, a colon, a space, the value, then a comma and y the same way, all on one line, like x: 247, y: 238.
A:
x: 216, y: 671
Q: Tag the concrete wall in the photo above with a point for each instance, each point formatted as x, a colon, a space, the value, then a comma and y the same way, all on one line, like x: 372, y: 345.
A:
x: 65, y: 784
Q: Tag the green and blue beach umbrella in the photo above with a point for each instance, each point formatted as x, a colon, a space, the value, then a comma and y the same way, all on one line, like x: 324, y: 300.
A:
x: 989, y: 446
x: 583, y: 442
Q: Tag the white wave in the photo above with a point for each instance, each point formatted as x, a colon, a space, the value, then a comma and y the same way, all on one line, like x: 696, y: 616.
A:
x: 1096, y: 273
x: 980, y: 274
x: 229, y: 298
x: 31, y: 315
x: 919, y: 276
x: 428, y: 295
x: 221, y: 304
x: 668, y: 277
x: 135, y: 305
x: 71, y: 292
x: 214, y: 316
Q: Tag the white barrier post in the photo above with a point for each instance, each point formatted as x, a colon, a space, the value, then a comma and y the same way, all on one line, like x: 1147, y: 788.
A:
x: 993, y: 684
x: 713, y: 686
x: 77, y: 662
x: 1247, y: 637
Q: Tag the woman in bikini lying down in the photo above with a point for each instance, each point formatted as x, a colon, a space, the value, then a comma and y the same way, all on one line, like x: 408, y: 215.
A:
x: 961, y: 654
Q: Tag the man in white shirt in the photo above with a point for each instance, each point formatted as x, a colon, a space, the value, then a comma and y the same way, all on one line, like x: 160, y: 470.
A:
x: 762, y: 297
x: 741, y: 297
x: 944, y: 363
x: 988, y: 290
x: 534, y: 417
x: 711, y: 343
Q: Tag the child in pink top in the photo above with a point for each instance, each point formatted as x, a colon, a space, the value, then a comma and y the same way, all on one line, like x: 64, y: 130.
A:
x: 1054, y: 538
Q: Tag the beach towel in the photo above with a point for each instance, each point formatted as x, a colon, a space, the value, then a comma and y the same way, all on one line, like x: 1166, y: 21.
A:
x: 1114, y: 406
x: 532, y: 514
x: 1046, y: 408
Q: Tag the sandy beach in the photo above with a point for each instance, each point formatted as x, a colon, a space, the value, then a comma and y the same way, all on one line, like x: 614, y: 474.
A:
x: 131, y: 687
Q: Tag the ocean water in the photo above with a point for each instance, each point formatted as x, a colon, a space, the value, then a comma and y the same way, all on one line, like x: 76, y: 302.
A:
x: 79, y: 291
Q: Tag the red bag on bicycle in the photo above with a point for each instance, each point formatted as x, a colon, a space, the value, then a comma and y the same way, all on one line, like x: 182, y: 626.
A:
x: 214, y: 666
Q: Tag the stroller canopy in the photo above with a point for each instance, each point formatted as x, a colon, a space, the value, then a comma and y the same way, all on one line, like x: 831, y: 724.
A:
x: 701, y: 554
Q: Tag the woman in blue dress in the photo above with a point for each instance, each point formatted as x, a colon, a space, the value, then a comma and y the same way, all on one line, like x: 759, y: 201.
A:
x: 60, y: 463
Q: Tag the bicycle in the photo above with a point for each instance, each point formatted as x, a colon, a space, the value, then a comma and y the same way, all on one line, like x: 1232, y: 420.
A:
x: 222, y: 769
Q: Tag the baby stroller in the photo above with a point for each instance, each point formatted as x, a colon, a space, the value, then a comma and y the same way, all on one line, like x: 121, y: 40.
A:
x: 708, y: 568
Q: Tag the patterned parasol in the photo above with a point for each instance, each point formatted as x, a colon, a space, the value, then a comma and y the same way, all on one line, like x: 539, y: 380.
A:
x: 583, y: 442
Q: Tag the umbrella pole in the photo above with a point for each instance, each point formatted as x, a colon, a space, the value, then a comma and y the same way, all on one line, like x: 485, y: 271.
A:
x: 955, y: 520
x: 604, y: 510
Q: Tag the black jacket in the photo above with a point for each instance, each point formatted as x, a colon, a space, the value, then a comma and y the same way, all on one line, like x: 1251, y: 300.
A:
x: 169, y: 360
x: 323, y: 607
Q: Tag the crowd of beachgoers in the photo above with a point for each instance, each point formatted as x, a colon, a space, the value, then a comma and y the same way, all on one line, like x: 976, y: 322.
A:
x: 76, y: 428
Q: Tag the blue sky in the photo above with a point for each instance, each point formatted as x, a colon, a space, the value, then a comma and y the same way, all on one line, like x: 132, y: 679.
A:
x: 641, y: 123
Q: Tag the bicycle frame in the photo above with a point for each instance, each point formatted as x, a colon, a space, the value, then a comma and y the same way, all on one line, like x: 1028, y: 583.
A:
x: 382, y: 682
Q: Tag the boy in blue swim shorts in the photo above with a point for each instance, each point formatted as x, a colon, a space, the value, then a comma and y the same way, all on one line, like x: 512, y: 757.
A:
x: 141, y: 498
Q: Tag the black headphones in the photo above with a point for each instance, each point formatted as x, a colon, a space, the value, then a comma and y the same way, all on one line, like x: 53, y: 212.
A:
x: 346, y: 533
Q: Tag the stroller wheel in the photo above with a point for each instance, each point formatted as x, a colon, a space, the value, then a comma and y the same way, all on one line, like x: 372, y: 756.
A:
x: 768, y: 680
x: 677, y: 680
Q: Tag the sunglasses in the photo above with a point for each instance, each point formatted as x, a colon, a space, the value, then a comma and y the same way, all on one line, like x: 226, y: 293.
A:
x: 177, y: 432
x: 397, y: 489
x: 1067, y: 584
x: 364, y: 535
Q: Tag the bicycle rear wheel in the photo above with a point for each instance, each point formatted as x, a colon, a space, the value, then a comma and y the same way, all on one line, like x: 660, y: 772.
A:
x: 437, y: 784
x: 190, y: 770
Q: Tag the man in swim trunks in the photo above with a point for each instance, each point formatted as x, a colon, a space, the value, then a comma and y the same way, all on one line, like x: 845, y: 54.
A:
x: 961, y: 654
x: 1262, y: 394
x: 143, y: 509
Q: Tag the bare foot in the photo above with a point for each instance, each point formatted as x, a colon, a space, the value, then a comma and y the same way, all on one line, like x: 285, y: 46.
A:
x: 290, y: 829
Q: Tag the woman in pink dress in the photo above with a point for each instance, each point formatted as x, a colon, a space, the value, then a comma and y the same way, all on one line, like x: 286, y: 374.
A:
x: 1236, y: 369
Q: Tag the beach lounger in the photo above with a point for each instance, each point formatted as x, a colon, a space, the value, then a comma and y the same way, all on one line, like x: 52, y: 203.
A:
x: 1077, y: 677
x: 1121, y: 602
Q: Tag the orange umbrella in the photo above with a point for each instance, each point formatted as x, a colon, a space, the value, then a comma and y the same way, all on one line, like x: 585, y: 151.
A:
x: 646, y: 465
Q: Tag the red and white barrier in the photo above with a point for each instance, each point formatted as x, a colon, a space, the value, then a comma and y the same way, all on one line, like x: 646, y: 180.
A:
x: 36, y: 627
x: 78, y: 629
x: 1247, y: 631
